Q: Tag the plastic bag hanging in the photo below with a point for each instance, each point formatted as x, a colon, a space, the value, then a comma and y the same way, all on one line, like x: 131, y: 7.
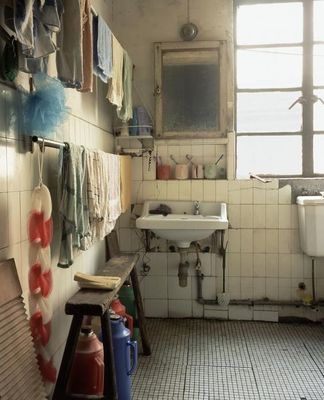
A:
x: 44, y: 108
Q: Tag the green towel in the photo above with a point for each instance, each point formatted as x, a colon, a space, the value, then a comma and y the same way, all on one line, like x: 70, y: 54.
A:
x: 73, y: 202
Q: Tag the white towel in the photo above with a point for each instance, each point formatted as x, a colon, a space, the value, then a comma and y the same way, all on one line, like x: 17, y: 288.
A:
x: 103, y: 172
x: 115, y: 89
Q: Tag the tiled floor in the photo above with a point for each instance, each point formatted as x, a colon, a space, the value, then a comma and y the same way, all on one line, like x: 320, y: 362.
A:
x: 216, y: 360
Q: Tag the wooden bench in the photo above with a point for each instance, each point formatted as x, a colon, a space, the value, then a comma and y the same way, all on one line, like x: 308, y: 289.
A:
x: 94, y: 302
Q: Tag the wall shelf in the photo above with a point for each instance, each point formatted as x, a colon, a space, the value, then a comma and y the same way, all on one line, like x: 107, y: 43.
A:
x: 129, y: 144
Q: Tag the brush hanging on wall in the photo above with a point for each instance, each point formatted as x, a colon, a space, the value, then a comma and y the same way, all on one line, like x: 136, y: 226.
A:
x: 189, y: 30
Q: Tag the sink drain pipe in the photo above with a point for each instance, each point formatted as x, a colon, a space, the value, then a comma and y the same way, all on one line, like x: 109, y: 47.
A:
x: 183, y: 268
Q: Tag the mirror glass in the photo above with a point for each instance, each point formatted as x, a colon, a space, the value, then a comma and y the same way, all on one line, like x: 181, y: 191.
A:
x: 190, y: 89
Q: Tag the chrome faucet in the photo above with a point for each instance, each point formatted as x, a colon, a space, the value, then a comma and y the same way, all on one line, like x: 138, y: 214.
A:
x: 196, y: 208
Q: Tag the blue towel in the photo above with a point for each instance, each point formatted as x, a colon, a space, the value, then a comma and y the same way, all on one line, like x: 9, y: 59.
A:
x: 102, y: 49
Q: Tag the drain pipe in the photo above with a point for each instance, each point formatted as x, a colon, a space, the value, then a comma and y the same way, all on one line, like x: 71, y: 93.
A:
x: 313, y: 281
x: 183, y: 268
x: 200, y: 277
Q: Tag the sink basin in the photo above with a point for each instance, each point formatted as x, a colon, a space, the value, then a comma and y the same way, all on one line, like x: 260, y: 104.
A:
x: 181, y: 226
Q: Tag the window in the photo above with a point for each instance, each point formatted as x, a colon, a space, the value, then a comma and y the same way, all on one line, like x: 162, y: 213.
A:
x: 280, y: 87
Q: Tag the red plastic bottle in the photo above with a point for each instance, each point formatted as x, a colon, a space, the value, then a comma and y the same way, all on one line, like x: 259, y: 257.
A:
x: 118, y: 307
x: 87, y: 373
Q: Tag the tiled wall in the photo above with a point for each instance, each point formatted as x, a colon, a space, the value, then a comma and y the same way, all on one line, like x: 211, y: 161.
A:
x: 18, y: 177
x: 264, y: 257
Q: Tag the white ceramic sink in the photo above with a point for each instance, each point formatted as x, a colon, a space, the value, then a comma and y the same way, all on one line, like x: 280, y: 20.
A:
x: 182, y: 226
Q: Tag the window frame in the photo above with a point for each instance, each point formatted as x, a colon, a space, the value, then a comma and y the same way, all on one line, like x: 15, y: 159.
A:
x: 307, y: 88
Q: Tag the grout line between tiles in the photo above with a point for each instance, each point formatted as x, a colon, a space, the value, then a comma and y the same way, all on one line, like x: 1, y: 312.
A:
x: 250, y: 359
x: 313, y: 359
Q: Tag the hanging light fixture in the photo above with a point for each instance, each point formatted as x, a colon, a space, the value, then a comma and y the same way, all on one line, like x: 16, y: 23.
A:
x: 189, y: 30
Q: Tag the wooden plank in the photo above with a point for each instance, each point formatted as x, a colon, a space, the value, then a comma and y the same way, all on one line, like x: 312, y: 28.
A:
x: 10, y: 286
x: 94, y: 301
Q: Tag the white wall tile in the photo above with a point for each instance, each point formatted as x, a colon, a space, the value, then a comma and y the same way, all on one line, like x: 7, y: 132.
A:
x: 209, y: 190
x: 156, y: 308
x: 285, y: 195
x: 247, y: 288
x: 4, y: 236
x: 221, y: 191
x: 272, y: 240
x: 216, y: 314
x: 13, y: 217
x: 272, y: 263
x: 246, y: 220
x: 284, y: 216
x: 247, y: 196
x: 284, y: 266
x: 246, y: 240
x: 197, y: 190
x: 272, y: 196
x: 272, y: 216
x: 258, y: 288
x: 284, y: 289
x: 161, y: 190
x: 197, y: 309
x: 259, y: 265
x: 158, y: 263
x: 272, y: 288
x: 270, y: 316
x: 173, y: 260
x: 177, y: 292
x: 155, y: 287
x: 137, y: 171
x: 240, y: 313
x: 234, y: 264
x: 180, y: 308
x: 246, y: 264
x: 259, y: 196
x: 259, y: 240
x: 185, y: 190
x: 297, y: 265
x: 234, y: 215
x: 284, y: 241
x: 148, y: 190
x: 234, y: 287
x: 259, y: 216
x: 172, y: 190
x: 234, y: 240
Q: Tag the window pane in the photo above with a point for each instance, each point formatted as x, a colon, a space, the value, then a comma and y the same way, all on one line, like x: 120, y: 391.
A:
x: 268, y: 112
x: 318, y: 154
x: 319, y: 64
x: 269, y: 68
x: 267, y: 23
x: 272, y: 155
x: 319, y: 111
x: 318, y: 20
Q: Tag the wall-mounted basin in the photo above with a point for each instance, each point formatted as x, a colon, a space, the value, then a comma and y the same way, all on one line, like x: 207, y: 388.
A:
x: 182, y: 225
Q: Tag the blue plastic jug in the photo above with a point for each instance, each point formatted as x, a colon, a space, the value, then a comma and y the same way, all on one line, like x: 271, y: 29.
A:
x: 122, y: 352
